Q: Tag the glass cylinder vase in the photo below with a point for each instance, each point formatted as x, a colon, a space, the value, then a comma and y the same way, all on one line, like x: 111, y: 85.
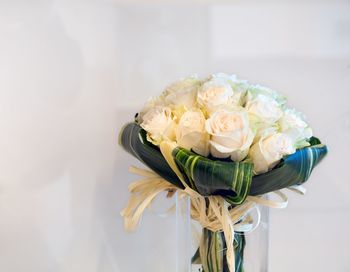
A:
x: 200, y: 249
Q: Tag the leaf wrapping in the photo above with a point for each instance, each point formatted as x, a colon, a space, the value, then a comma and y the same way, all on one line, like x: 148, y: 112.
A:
x: 232, y: 180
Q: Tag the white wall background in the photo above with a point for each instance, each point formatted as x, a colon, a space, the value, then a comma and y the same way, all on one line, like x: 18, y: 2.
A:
x: 73, y: 72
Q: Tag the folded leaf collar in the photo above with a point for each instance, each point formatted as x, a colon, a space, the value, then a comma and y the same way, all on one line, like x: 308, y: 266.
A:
x: 232, y: 180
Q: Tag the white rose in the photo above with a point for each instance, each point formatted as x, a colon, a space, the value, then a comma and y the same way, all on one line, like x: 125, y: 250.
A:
x: 159, y: 124
x: 255, y: 90
x: 269, y: 150
x: 191, y: 134
x: 265, y: 108
x: 183, y: 92
x: 214, y: 93
x: 230, y: 133
x: 152, y: 102
x: 225, y: 77
x: 238, y: 86
x: 293, y: 123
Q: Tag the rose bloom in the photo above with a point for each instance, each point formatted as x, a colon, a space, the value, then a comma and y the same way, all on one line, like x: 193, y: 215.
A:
x: 191, y: 134
x: 265, y: 108
x: 159, y: 124
x: 269, y: 150
x: 183, y: 92
x: 239, y: 87
x: 230, y: 133
x: 293, y: 123
x: 152, y: 102
x: 214, y: 93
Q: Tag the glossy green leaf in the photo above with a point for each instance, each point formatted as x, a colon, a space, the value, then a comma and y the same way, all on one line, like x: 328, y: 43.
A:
x: 214, y: 249
x: 294, y: 169
x: 209, y: 177
x: 133, y: 139
x: 216, y: 177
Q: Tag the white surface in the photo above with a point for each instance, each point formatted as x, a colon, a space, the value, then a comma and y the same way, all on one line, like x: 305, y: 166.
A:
x: 72, y: 73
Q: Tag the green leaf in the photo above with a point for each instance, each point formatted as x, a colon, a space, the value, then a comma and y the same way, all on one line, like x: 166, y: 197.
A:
x: 214, y: 249
x: 214, y: 177
x: 294, y: 169
x: 314, y: 141
x: 133, y: 138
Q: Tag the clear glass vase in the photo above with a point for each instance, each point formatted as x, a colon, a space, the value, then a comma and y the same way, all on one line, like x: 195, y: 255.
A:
x: 199, y: 249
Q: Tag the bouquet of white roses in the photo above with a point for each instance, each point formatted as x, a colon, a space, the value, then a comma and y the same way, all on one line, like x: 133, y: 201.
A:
x: 224, y: 143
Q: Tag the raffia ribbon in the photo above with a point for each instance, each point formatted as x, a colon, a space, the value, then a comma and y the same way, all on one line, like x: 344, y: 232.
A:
x: 217, y: 216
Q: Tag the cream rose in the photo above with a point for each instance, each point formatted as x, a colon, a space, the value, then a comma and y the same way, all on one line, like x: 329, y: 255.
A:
x: 269, y: 150
x: 255, y: 90
x: 239, y: 87
x: 159, y: 124
x: 191, y: 134
x: 214, y: 93
x: 265, y: 108
x: 151, y: 103
x: 293, y: 123
x: 230, y: 133
x: 183, y: 92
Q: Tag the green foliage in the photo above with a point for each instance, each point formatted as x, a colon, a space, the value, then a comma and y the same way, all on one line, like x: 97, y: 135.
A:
x: 133, y: 139
x: 233, y: 180
x: 209, y: 177
x: 214, y: 247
